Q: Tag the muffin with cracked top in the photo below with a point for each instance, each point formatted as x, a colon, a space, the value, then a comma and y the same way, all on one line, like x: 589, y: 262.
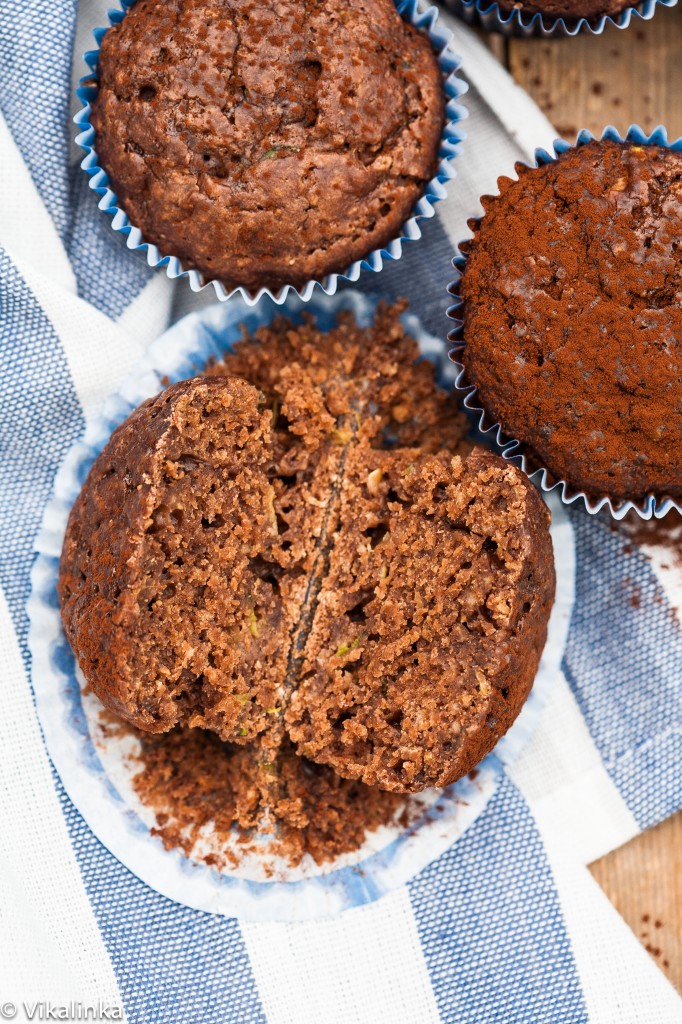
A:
x: 267, y: 144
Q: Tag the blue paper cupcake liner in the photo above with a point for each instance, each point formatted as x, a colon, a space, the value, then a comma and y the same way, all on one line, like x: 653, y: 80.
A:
x: 520, y: 24
x: 413, y: 11
x: 511, y: 448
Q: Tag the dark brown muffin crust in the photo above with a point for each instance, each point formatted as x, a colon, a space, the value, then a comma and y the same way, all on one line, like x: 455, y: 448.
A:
x: 301, y: 560
x: 267, y: 144
x: 573, y: 317
x: 569, y: 10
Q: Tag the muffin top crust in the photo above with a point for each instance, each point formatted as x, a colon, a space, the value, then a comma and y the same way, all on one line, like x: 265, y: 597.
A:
x: 572, y: 314
x: 270, y: 143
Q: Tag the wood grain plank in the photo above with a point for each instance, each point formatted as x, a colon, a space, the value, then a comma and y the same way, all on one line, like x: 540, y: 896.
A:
x: 643, y: 880
x: 619, y: 77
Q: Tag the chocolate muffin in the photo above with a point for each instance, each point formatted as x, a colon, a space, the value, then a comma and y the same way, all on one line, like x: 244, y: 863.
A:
x: 570, y: 10
x: 312, y: 557
x: 572, y: 319
x: 267, y: 145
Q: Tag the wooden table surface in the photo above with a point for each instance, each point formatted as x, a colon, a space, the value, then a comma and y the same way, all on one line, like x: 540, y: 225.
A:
x: 620, y: 78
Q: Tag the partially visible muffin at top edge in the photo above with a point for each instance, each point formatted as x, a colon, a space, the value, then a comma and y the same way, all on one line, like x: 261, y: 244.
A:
x: 267, y: 144
x: 570, y: 10
x: 572, y: 317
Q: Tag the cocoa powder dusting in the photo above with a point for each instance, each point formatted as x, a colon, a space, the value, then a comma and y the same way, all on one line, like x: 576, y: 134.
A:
x: 573, y: 319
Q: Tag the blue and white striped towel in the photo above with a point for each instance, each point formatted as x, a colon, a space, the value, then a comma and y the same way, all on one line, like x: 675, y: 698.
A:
x: 506, y: 926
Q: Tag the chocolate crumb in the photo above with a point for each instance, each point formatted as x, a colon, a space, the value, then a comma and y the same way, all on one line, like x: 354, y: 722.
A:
x: 197, y: 785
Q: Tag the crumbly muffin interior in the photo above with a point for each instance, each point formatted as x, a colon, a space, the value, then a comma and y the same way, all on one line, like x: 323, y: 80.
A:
x: 420, y: 620
x: 197, y: 783
x: 191, y: 510
x: 306, y: 564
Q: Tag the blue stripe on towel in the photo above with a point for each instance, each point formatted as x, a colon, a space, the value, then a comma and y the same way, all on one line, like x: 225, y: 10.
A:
x: 491, y: 927
x: 172, y: 964
x: 36, y: 43
x: 108, y: 274
x: 623, y: 661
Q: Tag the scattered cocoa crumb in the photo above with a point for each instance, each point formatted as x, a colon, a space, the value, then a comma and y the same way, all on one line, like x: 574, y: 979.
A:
x: 660, y: 533
x: 110, y: 726
x: 204, y: 791
x: 665, y: 533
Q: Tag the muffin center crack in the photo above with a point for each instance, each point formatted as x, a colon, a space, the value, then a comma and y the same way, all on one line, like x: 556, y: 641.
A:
x: 288, y: 553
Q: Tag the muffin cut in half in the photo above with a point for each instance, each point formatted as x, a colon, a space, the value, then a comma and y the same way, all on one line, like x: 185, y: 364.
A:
x: 303, y: 562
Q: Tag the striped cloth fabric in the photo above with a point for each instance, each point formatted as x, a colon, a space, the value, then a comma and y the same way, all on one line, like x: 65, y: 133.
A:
x: 507, y: 925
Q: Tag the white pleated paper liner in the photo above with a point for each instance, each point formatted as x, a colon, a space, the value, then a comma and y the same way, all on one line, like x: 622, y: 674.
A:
x: 524, y: 25
x: 511, y: 448
x: 94, y: 763
x: 413, y: 11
